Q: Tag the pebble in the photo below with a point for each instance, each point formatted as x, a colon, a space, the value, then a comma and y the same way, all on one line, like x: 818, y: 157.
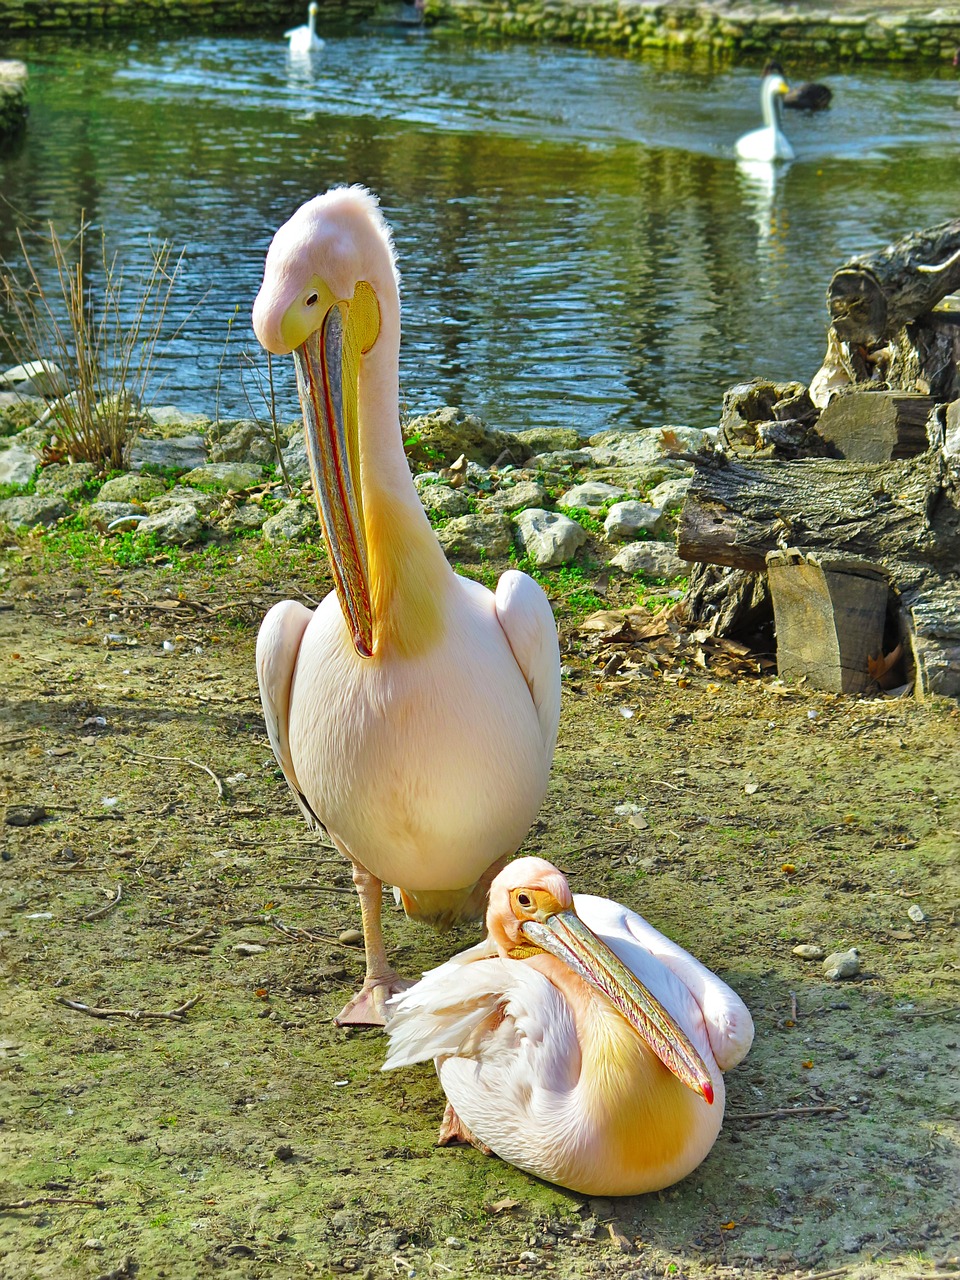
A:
x: 842, y: 964
x: 351, y: 938
x: 808, y: 951
x: 93, y: 1243
x: 916, y: 913
x: 24, y: 815
x: 248, y: 948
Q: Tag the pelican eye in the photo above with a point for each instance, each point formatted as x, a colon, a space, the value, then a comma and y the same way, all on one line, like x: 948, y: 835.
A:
x: 524, y: 900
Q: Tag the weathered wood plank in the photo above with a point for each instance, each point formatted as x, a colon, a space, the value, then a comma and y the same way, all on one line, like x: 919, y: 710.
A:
x: 877, y: 426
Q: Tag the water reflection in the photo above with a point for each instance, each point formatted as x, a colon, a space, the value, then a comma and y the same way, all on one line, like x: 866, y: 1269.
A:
x: 576, y: 240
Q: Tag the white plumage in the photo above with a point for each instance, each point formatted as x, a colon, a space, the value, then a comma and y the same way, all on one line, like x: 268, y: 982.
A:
x: 769, y: 142
x: 305, y: 39
x: 542, y: 1069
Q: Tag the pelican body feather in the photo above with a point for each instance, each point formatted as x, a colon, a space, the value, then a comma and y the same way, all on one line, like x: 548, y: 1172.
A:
x: 414, y: 712
x: 550, y: 1076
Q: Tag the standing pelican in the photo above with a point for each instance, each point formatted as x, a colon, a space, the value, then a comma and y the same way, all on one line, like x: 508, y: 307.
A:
x: 576, y: 1041
x: 768, y: 143
x: 305, y: 39
x: 414, y: 713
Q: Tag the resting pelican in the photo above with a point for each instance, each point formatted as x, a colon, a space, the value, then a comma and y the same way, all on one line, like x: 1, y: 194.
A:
x: 576, y: 1041
x: 305, y: 39
x: 414, y: 713
x: 768, y: 143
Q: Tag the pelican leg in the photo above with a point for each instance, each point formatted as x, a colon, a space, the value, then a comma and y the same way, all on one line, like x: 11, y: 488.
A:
x: 366, y: 1008
x: 452, y: 1129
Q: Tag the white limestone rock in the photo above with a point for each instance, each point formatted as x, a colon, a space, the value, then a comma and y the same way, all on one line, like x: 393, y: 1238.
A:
x: 625, y: 520
x: 652, y: 559
x: 549, y: 538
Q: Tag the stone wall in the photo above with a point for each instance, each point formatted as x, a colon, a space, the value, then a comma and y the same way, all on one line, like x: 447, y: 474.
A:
x: 21, y: 17
x: 742, y: 32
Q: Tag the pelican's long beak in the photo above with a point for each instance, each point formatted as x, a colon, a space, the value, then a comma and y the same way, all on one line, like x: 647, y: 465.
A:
x: 327, y: 363
x: 565, y: 936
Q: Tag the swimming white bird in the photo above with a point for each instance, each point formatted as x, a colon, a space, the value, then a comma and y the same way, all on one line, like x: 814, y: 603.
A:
x: 768, y: 143
x: 414, y: 713
x: 576, y: 1041
x: 305, y: 39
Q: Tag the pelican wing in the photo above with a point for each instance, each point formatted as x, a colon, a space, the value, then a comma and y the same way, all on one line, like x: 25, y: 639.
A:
x: 278, y: 644
x: 640, y: 946
x: 527, y: 620
x: 504, y: 1018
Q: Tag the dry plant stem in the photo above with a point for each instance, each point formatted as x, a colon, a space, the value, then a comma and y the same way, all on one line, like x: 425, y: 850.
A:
x: 135, y: 1015
x: 783, y: 1113
x: 46, y: 1200
x: 102, y: 911
x: 105, y: 341
x: 183, y: 760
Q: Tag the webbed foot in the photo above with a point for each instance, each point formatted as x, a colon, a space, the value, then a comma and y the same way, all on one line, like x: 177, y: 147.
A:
x: 452, y: 1129
x: 368, y: 1007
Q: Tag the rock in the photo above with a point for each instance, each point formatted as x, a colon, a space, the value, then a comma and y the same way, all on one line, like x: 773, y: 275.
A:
x: 562, y: 460
x: 181, y: 453
x: 32, y: 509
x: 669, y: 494
x: 444, y: 501
x: 64, y: 478
x: 177, y: 496
x: 842, y: 964
x: 546, y: 440
x: 132, y: 486
x: 37, y: 377
x: 549, y: 538
x: 176, y: 526
x: 626, y: 519
x: 592, y: 495
x: 170, y: 422
x: 351, y: 938
x: 294, y: 521
x: 17, y: 464
x: 630, y: 448
x: 243, y: 518
x: 808, y: 951
x: 476, y: 537
x: 226, y: 475
x: 439, y: 438
x: 100, y: 515
x: 295, y: 462
x: 18, y: 411
x: 916, y: 913
x: 527, y: 493
x: 24, y: 815
x: 652, y: 559
x: 243, y: 441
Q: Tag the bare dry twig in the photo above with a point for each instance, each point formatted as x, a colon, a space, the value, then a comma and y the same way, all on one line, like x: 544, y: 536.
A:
x: 783, y: 1113
x: 45, y: 1200
x: 136, y: 1015
x: 102, y: 911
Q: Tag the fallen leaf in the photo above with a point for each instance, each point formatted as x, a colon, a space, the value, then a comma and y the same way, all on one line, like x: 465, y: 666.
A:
x: 788, y: 869
x: 501, y: 1206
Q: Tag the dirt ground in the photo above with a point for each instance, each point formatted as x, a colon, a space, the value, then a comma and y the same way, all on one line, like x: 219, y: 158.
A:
x: 250, y: 1137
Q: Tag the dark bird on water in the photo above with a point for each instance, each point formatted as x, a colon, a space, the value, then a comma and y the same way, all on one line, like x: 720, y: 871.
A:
x: 809, y: 96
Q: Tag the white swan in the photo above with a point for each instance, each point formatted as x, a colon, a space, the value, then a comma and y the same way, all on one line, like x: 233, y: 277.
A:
x: 768, y: 143
x: 305, y: 39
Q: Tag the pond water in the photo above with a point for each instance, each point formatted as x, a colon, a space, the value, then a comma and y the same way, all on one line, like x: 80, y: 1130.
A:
x: 577, y: 242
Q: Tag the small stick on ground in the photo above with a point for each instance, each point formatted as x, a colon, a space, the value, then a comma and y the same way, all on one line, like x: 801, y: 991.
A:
x: 143, y: 755
x: 102, y: 911
x: 201, y: 935
x: 45, y: 1200
x: 303, y: 935
x: 793, y: 1006
x: 135, y: 1015
x: 783, y: 1113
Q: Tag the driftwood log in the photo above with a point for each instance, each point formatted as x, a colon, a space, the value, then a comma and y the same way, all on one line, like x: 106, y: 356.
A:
x: 852, y: 485
x: 873, y: 296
